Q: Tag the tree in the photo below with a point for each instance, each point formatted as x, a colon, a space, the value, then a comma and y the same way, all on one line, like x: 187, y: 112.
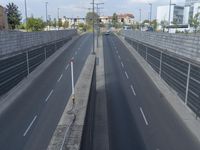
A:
x: 154, y: 24
x: 114, y: 20
x: 163, y: 24
x: 60, y: 22
x: 89, y: 18
x: 66, y: 24
x: 175, y: 23
x: 35, y: 24
x: 54, y: 22
x: 195, y: 22
x: 14, y: 16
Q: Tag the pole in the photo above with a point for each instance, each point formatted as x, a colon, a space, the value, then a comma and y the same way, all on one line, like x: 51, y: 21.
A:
x: 150, y: 12
x: 93, y: 26
x: 46, y: 4
x: 72, y: 76
x: 140, y: 10
x: 58, y: 17
x: 26, y: 16
x: 170, y: 3
x: 98, y: 26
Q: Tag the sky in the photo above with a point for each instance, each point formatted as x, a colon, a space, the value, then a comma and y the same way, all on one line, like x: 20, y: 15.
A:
x: 79, y: 8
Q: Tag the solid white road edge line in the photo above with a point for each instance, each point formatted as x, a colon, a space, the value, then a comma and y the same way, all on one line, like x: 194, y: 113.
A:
x: 49, y: 96
x: 29, y: 127
x: 145, y: 120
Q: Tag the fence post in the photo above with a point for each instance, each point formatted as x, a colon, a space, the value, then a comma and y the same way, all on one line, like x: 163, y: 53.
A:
x: 27, y: 63
x: 45, y: 53
x: 160, y: 70
x: 146, y: 54
x: 187, y: 85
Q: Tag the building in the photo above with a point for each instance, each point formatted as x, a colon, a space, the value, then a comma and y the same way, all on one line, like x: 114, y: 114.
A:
x: 3, y: 19
x: 190, y: 11
x: 127, y: 19
x: 176, y: 15
x: 191, y: 2
x: 74, y: 22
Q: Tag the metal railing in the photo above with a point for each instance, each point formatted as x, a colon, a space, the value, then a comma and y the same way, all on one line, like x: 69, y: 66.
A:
x: 180, y: 74
x: 16, y: 68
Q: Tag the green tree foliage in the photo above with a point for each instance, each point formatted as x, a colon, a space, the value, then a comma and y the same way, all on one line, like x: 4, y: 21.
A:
x: 115, y: 20
x: 54, y: 22
x: 154, y: 24
x: 14, y: 16
x: 35, y: 24
x: 66, y: 24
x: 89, y: 18
x: 60, y: 22
x: 195, y: 22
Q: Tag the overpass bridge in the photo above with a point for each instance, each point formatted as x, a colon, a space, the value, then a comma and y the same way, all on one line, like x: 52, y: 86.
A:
x: 133, y: 94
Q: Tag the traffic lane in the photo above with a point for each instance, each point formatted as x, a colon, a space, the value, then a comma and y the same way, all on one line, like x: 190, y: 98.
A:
x: 123, y: 129
x: 17, y: 118
x: 57, y: 101
x: 166, y: 127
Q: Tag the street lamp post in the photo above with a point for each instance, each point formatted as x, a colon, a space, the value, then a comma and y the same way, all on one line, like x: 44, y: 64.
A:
x: 150, y: 4
x: 170, y: 3
x: 26, y: 16
x: 93, y: 26
x: 140, y: 11
x: 58, y: 17
x: 46, y: 5
x: 98, y: 26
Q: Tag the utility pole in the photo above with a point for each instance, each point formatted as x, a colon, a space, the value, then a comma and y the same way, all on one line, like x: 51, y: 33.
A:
x: 150, y: 4
x: 58, y: 17
x: 170, y: 3
x: 26, y: 16
x: 93, y: 27
x: 46, y: 5
x: 140, y: 11
x: 98, y: 26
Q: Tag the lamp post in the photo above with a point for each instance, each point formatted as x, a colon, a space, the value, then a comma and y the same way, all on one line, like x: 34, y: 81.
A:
x: 150, y: 4
x: 170, y: 3
x: 46, y: 5
x: 58, y: 17
x: 26, y: 16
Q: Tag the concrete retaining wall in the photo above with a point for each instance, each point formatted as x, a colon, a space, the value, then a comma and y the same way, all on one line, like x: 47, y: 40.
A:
x: 186, y: 45
x: 11, y: 42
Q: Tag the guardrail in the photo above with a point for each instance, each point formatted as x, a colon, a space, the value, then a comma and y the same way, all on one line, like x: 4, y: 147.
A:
x: 16, y: 68
x: 183, y: 44
x: 179, y: 73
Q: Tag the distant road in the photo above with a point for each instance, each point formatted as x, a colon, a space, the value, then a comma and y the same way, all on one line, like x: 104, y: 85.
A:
x: 139, y: 117
x: 30, y: 122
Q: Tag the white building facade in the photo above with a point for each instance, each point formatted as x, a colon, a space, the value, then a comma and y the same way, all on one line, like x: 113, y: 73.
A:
x: 176, y: 14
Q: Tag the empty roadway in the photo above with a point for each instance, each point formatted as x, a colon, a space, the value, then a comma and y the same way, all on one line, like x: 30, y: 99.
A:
x: 31, y: 120
x: 139, y: 117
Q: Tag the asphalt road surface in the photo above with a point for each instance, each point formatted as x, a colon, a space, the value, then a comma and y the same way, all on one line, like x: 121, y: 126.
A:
x: 139, y: 117
x: 30, y: 122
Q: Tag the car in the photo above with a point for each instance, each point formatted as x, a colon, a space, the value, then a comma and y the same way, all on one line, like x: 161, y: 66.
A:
x: 107, y: 33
